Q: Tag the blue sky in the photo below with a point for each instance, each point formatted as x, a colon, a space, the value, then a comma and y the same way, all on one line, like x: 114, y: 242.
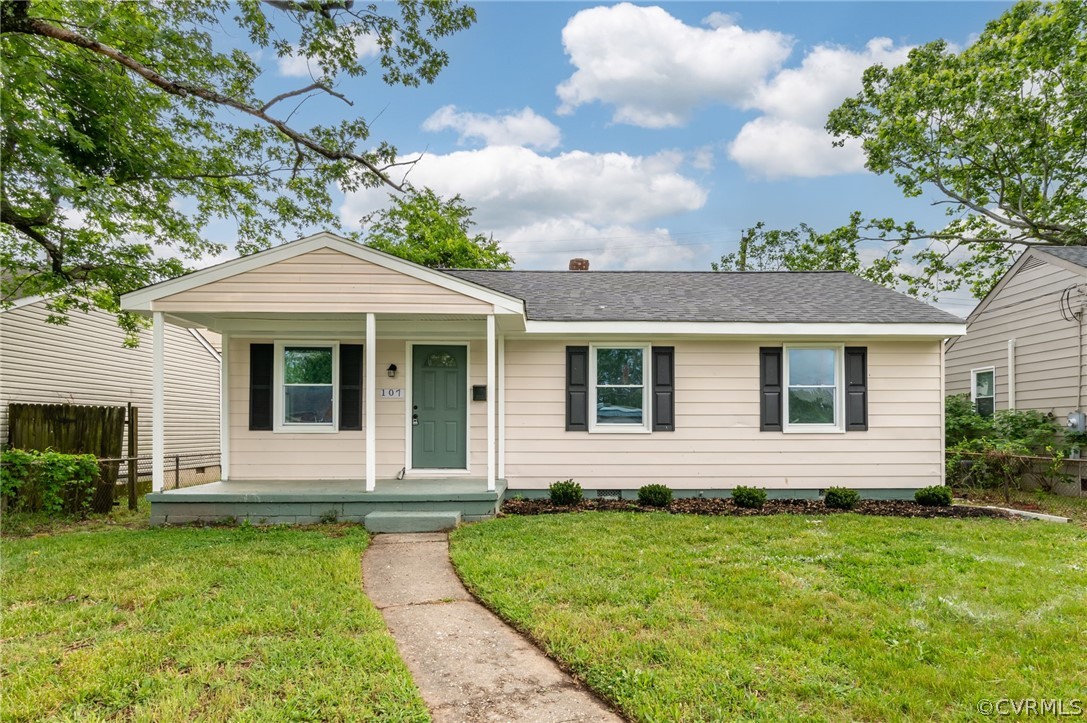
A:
x: 646, y: 136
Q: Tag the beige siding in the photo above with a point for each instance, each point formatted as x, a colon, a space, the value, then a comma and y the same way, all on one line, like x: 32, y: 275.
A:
x: 717, y: 443
x: 340, y: 455
x: 322, y: 281
x: 1047, y: 354
x: 85, y: 362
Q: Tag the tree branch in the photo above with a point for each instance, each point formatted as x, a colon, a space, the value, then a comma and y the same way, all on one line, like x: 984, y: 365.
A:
x: 17, y: 20
x: 301, y: 91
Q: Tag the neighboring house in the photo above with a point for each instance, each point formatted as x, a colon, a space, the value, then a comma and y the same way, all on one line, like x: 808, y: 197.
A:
x: 1025, y: 346
x: 349, y: 368
x: 85, y: 362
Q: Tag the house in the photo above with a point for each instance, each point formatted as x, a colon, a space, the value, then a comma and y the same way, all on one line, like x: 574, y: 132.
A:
x: 361, y: 384
x: 85, y: 362
x: 1025, y: 347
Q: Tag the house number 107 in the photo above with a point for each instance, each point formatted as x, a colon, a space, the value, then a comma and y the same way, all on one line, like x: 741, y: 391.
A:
x: 392, y: 393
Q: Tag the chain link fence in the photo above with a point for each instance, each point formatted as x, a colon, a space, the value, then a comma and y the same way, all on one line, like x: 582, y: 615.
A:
x: 179, y: 470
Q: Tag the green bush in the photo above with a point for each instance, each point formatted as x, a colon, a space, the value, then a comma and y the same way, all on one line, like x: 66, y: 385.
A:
x: 841, y: 498
x: 654, y: 495
x: 752, y: 498
x: 937, y: 496
x: 47, y: 481
x: 565, y: 492
x: 962, y: 421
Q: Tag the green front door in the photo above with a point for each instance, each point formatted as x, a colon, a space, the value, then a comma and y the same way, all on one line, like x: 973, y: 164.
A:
x: 439, y: 407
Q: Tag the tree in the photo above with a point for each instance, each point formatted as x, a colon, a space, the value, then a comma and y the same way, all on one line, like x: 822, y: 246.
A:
x: 126, y: 130
x: 998, y: 130
x: 422, y: 227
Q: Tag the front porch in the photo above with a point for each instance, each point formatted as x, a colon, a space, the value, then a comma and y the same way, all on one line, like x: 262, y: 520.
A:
x: 408, y: 505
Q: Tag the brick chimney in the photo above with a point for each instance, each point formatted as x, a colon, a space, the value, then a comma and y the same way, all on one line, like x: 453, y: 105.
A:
x: 579, y: 264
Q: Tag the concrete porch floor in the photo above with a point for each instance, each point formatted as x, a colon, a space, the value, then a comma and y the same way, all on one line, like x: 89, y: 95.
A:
x: 310, y: 501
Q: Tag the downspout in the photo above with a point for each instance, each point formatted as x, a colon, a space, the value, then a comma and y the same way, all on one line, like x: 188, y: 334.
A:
x: 1011, y: 373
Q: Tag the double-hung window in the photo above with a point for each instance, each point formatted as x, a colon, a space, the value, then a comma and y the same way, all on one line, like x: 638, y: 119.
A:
x: 813, y: 394
x: 619, y: 393
x: 306, y: 389
x: 983, y: 390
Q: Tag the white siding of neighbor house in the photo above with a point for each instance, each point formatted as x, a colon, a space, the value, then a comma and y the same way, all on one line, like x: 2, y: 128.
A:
x: 717, y: 442
x: 262, y: 455
x: 321, y: 281
x: 85, y: 362
x: 1047, y: 347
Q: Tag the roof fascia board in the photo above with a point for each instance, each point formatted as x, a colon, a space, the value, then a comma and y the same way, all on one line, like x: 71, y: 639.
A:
x: 1063, y: 263
x: 709, y: 328
x: 25, y: 301
x: 207, y: 345
x: 1004, y: 281
x: 142, y: 299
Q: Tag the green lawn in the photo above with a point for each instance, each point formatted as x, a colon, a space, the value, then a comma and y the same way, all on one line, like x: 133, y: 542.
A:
x: 788, y: 617
x: 195, y: 624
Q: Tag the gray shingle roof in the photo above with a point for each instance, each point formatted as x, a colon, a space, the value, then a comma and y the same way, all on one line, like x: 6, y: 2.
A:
x: 1075, y: 254
x: 760, y: 297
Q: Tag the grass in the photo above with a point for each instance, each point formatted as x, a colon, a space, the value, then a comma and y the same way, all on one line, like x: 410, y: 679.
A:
x: 841, y: 617
x: 219, y: 623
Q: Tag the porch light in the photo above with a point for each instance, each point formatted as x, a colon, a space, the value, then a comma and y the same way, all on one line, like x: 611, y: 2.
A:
x: 391, y: 370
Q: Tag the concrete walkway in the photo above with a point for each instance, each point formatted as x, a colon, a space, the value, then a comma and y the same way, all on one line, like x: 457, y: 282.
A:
x: 468, y: 664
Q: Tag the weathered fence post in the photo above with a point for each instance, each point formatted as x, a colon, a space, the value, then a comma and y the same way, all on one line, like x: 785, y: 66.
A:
x: 177, y: 471
x: 133, y: 448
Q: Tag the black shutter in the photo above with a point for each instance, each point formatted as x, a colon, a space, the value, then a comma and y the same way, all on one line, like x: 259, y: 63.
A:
x: 577, y: 389
x: 664, y: 393
x: 856, y: 388
x: 771, y: 381
x: 261, y: 364
x: 351, y: 386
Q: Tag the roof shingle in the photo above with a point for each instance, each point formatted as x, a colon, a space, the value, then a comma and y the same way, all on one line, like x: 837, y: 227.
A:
x: 1076, y: 254
x: 759, y: 297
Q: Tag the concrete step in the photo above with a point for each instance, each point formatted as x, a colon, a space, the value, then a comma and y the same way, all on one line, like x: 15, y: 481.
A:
x: 409, y: 521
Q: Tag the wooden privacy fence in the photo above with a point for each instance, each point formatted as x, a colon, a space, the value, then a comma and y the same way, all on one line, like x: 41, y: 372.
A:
x: 72, y: 429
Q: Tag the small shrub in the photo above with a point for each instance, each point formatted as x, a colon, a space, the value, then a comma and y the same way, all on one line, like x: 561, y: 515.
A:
x: 841, y: 498
x: 654, y: 495
x: 565, y: 492
x: 936, y: 496
x: 751, y: 498
x: 49, y: 482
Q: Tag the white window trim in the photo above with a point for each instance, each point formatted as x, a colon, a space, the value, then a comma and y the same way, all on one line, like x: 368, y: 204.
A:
x: 974, y: 386
x: 838, y: 427
x: 647, y: 375
x: 278, y: 425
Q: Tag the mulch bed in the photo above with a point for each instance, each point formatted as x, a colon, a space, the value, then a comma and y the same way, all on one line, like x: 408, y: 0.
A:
x: 725, y: 506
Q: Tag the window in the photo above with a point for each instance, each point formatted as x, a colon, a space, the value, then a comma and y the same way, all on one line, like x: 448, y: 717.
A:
x: 306, y: 389
x: 983, y: 390
x: 813, y: 394
x: 619, y: 394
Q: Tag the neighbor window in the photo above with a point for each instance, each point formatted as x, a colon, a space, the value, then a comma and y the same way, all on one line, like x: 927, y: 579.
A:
x: 813, y: 380
x: 306, y: 374
x: 983, y: 390
x: 620, y: 397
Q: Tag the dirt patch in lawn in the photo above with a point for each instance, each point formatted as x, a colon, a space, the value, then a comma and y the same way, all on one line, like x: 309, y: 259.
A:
x: 725, y: 506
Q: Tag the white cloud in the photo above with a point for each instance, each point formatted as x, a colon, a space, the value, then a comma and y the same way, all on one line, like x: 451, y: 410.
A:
x: 772, y: 148
x: 296, y: 65
x: 789, y: 139
x: 655, y: 70
x: 523, y: 128
x: 544, y: 209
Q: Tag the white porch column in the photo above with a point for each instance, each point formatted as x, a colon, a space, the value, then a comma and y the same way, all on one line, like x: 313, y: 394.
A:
x: 224, y: 408
x: 371, y: 403
x: 158, y: 402
x: 491, y: 392
x: 502, y: 407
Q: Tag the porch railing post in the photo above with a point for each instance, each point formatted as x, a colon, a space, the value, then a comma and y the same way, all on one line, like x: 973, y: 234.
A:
x: 371, y: 402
